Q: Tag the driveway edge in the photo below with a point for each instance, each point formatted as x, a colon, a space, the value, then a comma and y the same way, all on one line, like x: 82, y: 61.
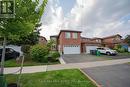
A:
x: 62, y: 61
x: 93, y: 81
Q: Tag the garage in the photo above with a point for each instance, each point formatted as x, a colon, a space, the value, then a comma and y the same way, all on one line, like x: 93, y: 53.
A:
x: 88, y: 48
x: 71, y: 49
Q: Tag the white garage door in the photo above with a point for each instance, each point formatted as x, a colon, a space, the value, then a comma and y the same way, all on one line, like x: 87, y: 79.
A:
x: 71, y: 49
x: 88, y: 48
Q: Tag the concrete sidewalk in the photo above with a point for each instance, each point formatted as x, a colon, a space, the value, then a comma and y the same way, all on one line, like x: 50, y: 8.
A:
x: 33, y: 69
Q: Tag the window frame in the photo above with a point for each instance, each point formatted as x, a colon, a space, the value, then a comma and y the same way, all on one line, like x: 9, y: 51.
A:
x: 67, y: 35
x: 75, y: 35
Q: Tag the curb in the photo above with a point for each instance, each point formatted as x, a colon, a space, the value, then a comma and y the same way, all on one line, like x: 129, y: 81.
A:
x: 93, y: 81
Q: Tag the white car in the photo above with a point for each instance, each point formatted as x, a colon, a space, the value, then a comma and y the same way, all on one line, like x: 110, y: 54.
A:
x: 107, y: 51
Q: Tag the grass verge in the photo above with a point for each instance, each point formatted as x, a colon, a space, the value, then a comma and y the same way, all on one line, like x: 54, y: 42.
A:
x: 13, y: 63
x: 60, y: 78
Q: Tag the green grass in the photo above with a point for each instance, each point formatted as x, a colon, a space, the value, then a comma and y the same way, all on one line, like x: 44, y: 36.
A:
x: 61, y: 78
x: 126, y: 53
x: 13, y: 63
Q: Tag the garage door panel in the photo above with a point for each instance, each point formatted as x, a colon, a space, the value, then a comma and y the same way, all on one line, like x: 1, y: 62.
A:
x: 88, y: 48
x: 71, y: 49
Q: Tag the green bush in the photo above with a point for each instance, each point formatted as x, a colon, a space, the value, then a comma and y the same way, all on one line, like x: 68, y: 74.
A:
x: 121, y: 50
x: 25, y: 48
x: 54, y: 56
x: 39, y: 53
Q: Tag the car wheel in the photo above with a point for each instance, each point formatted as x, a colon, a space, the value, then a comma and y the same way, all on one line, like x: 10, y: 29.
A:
x: 108, y: 53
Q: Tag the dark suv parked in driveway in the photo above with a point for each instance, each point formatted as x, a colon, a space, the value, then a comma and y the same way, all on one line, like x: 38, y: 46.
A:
x: 9, y: 54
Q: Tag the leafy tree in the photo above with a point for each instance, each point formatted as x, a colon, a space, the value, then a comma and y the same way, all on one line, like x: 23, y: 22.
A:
x: 127, y: 39
x: 28, y: 14
x: 50, y: 44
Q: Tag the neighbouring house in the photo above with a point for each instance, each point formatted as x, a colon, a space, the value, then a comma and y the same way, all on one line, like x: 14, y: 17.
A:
x: 42, y: 40
x: 88, y: 44
x: 71, y: 42
x: 55, y: 42
x: 111, y: 41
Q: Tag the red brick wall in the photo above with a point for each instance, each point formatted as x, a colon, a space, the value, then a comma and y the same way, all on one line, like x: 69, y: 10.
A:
x: 70, y: 41
x: 108, y: 40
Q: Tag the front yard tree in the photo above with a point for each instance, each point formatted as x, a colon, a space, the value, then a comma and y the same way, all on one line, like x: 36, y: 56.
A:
x: 127, y: 39
x: 28, y: 14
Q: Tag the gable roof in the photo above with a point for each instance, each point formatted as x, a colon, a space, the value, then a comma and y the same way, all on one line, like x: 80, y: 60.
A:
x: 43, y: 37
x: 112, y: 36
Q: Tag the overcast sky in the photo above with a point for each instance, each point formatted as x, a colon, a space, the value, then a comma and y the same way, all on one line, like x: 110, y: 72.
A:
x: 95, y: 18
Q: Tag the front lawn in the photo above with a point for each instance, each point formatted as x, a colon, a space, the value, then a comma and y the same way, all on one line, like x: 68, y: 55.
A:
x: 126, y: 53
x: 60, y: 78
x: 13, y: 63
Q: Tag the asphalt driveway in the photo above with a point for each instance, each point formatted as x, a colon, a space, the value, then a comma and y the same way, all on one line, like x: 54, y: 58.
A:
x: 79, y: 58
x: 111, y: 76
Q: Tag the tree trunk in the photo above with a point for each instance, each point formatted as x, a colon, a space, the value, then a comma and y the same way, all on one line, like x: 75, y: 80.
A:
x: 3, y: 57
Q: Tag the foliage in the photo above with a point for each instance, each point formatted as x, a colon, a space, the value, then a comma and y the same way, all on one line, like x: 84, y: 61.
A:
x: 30, y: 39
x: 39, y: 53
x: 119, y: 48
x: 50, y: 44
x: 28, y: 14
x: 127, y: 39
x: 25, y: 48
x: 54, y: 56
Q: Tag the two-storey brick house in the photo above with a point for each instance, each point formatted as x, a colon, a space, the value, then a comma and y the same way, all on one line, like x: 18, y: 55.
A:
x: 69, y: 42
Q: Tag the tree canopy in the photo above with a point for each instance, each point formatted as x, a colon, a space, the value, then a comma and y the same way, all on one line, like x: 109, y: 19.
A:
x: 127, y: 39
x: 28, y: 14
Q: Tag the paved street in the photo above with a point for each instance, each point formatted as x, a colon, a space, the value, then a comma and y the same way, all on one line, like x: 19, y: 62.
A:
x: 110, y: 76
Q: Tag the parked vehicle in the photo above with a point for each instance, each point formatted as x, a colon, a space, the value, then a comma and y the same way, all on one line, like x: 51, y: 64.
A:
x: 107, y: 51
x: 9, y: 54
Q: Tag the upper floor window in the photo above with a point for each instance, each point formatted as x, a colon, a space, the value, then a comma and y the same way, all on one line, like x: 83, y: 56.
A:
x: 75, y: 35
x: 67, y: 35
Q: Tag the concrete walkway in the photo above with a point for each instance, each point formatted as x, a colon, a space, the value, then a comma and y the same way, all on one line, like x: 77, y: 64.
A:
x: 33, y: 69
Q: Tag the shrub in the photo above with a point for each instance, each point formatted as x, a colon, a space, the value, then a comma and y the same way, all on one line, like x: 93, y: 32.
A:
x: 39, y: 53
x: 25, y: 48
x: 121, y: 50
x: 54, y: 55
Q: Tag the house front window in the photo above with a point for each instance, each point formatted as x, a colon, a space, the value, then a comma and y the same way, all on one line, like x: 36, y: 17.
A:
x: 75, y: 35
x: 67, y: 35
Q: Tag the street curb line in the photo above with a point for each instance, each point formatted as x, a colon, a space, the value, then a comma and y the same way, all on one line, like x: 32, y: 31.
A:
x: 93, y: 81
